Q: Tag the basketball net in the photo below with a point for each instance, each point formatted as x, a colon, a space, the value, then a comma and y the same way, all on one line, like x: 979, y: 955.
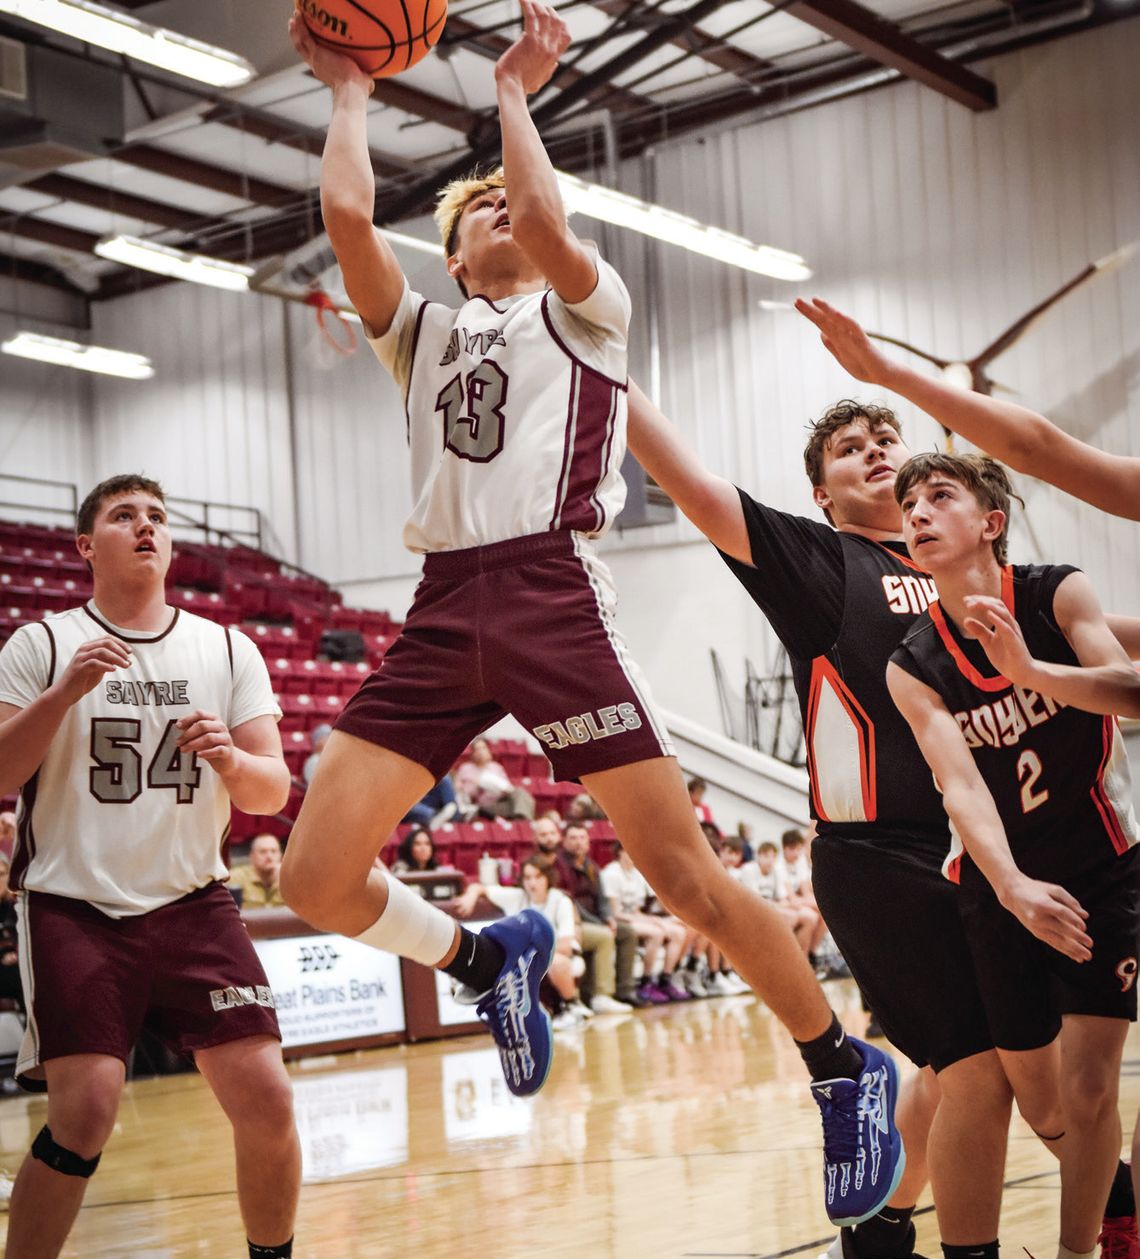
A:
x: 335, y: 338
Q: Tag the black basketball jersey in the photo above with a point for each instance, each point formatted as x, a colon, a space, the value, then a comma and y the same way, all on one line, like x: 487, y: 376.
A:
x: 841, y: 604
x: 1058, y: 775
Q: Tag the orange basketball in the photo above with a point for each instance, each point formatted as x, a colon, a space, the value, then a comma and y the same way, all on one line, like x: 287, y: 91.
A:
x: 383, y: 37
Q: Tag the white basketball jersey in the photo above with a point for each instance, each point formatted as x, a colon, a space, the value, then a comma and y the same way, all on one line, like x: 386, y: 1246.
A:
x: 516, y: 413
x: 116, y: 815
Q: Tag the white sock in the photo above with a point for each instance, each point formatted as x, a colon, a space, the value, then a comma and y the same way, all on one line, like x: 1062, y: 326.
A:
x: 411, y: 927
x: 1063, y: 1252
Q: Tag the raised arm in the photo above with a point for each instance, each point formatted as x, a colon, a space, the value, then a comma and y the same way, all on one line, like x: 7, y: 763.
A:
x: 1045, y: 909
x: 710, y: 502
x: 1126, y: 630
x: 534, y: 203
x: 1105, y: 681
x: 1025, y: 440
x: 372, y: 275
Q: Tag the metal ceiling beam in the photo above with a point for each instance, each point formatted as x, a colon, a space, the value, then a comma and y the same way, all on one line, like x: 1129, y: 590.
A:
x: 43, y: 232
x: 865, y: 31
x: 433, y: 108
x: 277, y: 130
x: 27, y: 269
x: 101, y: 197
x: 216, y: 178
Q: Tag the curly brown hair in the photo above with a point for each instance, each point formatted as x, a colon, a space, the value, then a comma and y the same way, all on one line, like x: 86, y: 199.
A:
x: 844, y: 412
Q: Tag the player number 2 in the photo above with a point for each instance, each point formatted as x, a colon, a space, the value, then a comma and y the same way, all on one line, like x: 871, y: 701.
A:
x: 473, y: 414
x: 1028, y: 771
x: 116, y: 777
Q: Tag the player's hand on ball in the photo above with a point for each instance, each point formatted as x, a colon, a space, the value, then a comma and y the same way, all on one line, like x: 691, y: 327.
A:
x: 1052, y: 915
x: 91, y: 664
x: 208, y: 737
x: 533, y: 57
x: 332, y: 68
x: 994, y: 626
x: 855, y: 352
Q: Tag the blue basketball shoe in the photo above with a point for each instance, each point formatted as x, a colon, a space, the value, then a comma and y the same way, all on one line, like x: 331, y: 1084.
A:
x: 863, y: 1156
x: 511, y: 1009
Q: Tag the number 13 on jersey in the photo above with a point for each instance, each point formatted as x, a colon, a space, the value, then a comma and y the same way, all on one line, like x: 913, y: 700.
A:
x: 473, y: 412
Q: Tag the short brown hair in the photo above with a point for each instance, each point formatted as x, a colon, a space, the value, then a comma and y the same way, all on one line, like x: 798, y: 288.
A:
x: 844, y: 412
x: 545, y: 865
x: 112, y: 488
x: 984, y: 477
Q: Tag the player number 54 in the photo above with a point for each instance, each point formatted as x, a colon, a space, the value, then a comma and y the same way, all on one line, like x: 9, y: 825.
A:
x: 116, y: 776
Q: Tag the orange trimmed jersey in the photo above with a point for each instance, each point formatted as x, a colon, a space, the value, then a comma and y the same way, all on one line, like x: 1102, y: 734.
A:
x: 1058, y: 775
x: 841, y: 605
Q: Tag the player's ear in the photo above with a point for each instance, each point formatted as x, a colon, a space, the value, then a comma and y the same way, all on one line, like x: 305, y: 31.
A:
x: 453, y: 265
x: 821, y: 497
x: 83, y: 545
x: 993, y: 526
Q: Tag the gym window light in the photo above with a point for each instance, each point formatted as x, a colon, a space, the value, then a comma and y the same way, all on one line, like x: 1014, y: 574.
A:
x: 120, y: 32
x: 88, y: 358
x: 623, y: 210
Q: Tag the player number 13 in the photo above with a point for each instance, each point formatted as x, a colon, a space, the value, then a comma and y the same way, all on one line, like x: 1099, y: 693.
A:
x: 473, y: 412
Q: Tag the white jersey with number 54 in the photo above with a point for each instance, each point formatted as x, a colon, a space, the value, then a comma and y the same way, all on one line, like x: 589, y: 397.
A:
x: 116, y: 815
x: 516, y: 413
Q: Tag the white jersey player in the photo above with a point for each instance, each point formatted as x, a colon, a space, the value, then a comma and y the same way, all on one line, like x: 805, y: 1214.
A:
x: 516, y: 415
x: 128, y: 728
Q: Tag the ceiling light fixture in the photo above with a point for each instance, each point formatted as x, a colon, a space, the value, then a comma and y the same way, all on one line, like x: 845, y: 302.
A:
x: 121, y: 33
x: 149, y: 255
x: 88, y: 358
x: 623, y: 210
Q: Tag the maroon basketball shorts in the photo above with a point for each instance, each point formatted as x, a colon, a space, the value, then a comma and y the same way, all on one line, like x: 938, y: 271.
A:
x: 524, y: 627
x: 187, y: 971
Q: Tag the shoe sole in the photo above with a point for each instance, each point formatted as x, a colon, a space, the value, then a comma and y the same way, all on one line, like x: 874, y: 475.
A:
x: 549, y: 1026
x: 900, y: 1166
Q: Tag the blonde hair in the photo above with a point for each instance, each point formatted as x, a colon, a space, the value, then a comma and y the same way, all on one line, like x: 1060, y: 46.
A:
x: 453, y: 199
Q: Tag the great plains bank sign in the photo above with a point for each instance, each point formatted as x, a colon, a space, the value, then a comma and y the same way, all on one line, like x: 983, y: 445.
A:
x: 328, y: 988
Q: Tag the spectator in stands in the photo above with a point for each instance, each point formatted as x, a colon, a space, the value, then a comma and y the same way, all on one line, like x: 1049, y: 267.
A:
x: 584, y: 808
x: 7, y: 832
x: 440, y: 805
x: 416, y: 852
x: 320, y: 738
x: 259, y: 881
x: 611, y: 944
x: 547, y: 832
x: 765, y: 877
x: 795, y: 869
x: 744, y: 830
x: 539, y: 890
x: 629, y: 896
x: 482, y: 781
x: 697, y: 789
x: 10, y: 986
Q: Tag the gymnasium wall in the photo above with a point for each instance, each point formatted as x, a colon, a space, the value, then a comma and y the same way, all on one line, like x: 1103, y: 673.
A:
x: 933, y: 224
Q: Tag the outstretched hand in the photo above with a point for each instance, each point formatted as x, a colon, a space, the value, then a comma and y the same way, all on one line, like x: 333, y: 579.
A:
x: 995, y: 627
x: 1053, y: 916
x: 533, y: 57
x: 332, y: 68
x: 846, y: 341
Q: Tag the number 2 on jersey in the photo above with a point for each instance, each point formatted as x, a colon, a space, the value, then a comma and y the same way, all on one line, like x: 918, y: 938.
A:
x: 116, y: 777
x: 473, y: 415
x: 1029, y: 769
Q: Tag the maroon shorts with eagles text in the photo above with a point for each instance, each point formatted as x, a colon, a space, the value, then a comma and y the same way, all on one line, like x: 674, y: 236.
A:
x: 523, y: 627
x: 187, y: 971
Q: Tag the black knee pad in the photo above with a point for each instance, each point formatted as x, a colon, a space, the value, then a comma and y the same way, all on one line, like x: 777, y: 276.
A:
x: 59, y: 1159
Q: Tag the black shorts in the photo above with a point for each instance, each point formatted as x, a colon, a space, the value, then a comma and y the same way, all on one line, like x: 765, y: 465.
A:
x: 186, y: 970
x: 1026, y: 985
x: 895, y: 918
x: 524, y: 626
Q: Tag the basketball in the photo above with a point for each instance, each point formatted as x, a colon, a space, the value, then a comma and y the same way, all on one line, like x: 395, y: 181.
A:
x: 383, y: 37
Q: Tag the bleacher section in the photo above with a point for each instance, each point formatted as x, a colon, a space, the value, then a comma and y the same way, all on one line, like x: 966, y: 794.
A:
x: 285, y: 615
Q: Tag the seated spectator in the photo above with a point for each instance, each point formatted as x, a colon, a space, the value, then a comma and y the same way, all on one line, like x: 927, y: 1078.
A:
x: 320, y: 738
x: 416, y: 853
x: 483, y: 782
x: 7, y: 832
x: 611, y: 945
x: 629, y: 895
x: 539, y: 889
x: 584, y: 808
x: 697, y: 789
x: 440, y: 805
x: 260, y: 881
x: 795, y: 870
x: 744, y: 830
x: 547, y: 832
x: 768, y: 881
x: 10, y: 986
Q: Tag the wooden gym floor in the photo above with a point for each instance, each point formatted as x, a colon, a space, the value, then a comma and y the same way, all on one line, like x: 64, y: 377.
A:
x: 677, y: 1133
